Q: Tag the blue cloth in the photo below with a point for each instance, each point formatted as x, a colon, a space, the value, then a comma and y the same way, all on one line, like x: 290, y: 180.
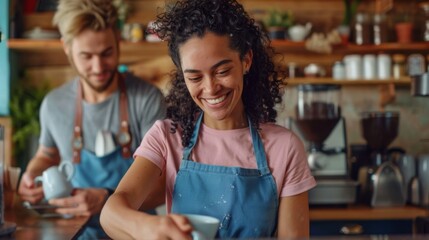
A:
x: 244, y: 200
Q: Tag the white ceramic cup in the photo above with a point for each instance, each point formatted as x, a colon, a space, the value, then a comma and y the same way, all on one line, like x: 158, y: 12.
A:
x: 56, y: 181
x: 205, y: 227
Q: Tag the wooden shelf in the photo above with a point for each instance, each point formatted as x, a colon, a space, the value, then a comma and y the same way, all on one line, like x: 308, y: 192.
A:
x: 400, y: 82
x: 148, y: 49
x: 24, y: 45
x: 291, y: 47
x: 279, y: 45
x: 42, y: 53
x: 367, y: 213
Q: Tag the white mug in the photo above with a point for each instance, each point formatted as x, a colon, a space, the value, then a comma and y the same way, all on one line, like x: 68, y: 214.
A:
x: 205, y: 227
x: 56, y: 181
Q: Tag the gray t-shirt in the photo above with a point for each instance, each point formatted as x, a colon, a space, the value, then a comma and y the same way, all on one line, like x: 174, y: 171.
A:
x: 145, y: 105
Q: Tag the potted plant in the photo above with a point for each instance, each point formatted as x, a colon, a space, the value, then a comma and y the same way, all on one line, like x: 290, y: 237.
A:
x: 277, y: 23
x: 404, y: 26
x: 24, y: 111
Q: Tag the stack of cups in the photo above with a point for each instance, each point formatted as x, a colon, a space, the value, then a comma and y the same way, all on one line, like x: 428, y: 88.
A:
x: 384, y: 64
x: 353, y: 66
x: 368, y: 66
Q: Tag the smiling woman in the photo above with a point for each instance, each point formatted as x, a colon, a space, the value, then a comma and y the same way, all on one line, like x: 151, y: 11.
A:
x: 216, y: 85
x: 219, y: 147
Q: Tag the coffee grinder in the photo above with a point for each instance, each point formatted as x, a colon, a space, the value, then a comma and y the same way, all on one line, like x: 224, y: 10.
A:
x: 319, y: 123
x: 381, y: 181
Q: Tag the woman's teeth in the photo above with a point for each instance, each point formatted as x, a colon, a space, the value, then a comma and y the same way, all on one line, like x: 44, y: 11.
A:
x: 216, y: 100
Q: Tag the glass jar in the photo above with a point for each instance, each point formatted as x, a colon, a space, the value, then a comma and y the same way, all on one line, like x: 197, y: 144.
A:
x: 398, y: 66
x: 136, y: 32
x: 380, y: 29
x: 362, y: 29
x: 415, y: 64
x: 338, y: 70
x: 425, y: 21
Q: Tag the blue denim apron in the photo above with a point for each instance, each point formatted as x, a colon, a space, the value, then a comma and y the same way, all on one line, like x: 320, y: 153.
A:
x: 244, y: 200
x: 100, y: 172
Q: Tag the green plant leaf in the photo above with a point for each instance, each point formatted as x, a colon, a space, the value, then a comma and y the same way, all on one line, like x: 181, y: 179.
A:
x: 24, y: 110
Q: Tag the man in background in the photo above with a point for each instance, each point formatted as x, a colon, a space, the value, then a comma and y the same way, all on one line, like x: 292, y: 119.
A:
x: 99, y: 106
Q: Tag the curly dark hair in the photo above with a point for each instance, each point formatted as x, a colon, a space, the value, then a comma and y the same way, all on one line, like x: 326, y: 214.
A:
x: 190, y: 18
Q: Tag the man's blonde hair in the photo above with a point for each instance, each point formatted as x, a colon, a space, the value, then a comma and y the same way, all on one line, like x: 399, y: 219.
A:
x: 74, y: 16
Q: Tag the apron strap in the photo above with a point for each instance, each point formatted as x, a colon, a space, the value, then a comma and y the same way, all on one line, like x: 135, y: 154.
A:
x: 187, y: 150
x: 124, y: 136
x: 258, y: 146
x: 258, y: 149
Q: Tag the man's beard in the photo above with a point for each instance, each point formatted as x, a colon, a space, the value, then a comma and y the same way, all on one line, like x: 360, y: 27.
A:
x: 99, y: 89
x: 102, y: 88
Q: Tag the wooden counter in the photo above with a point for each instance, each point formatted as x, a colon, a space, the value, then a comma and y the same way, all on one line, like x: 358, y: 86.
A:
x: 31, y: 225
x: 364, y: 220
x: 367, y: 213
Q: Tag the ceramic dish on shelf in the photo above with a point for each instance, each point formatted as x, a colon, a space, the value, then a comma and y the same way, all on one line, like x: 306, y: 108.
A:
x: 39, y: 33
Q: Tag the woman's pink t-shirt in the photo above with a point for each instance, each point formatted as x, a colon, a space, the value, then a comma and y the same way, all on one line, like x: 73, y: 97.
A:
x: 285, y: 153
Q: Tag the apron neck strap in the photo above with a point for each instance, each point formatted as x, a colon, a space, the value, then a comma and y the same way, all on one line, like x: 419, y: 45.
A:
x: 187, y: 150
x: 124, y: 137
x: 258, y: 146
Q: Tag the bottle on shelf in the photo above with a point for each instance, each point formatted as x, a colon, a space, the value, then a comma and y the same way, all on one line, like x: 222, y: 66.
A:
x: 424, y: 6
x: 380, y: 29
x: 416, y: 64
x: 361, y: 34
x: 398, y: 66
x: 338, y: 70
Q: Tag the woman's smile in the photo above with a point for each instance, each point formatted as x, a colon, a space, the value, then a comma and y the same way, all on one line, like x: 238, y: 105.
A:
x: 215, y: 101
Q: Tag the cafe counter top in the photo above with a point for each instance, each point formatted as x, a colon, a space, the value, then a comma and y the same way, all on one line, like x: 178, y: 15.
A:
x: 360, y: 212
x: 30, y: 225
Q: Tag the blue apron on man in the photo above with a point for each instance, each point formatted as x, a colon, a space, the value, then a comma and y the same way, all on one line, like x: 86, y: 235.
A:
x: 107, y: 171
x: 244, y: 200
x: 92, y: 171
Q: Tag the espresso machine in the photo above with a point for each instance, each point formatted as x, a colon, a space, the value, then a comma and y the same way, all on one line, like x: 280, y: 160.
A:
x: 319, y: 124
